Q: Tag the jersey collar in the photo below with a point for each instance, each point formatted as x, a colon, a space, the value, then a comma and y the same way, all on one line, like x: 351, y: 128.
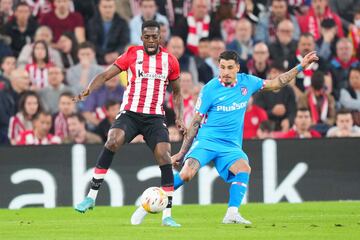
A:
x: 228, y: 86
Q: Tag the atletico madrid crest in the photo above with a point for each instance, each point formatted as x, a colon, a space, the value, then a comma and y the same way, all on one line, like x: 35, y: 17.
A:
x: 244, y: 91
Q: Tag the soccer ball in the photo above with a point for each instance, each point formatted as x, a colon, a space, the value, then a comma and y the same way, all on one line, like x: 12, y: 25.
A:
x: 154, y: 200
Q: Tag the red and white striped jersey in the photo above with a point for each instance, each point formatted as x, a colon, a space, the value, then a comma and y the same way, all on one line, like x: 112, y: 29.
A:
x: 148, y: 77
x: 38, y: 76
x: 29, y: 138
x: 17, y: 125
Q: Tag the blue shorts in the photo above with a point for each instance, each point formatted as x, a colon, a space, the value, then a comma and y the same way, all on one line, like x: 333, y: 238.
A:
x: 223, y: 157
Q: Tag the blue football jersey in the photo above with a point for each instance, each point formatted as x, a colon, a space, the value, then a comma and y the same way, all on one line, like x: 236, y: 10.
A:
x: 224, y: 108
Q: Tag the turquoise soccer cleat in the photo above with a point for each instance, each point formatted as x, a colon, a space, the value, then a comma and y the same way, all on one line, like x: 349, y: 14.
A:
x: 85, y: 205
x: 170, y: 222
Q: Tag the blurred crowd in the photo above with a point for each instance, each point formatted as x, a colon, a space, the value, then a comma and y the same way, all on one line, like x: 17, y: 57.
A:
x: 51, y: 49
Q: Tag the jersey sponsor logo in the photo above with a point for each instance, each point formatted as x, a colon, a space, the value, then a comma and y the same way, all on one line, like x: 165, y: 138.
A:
x: 151, y: 75
x: 233, y: 107
x: 244, y: 91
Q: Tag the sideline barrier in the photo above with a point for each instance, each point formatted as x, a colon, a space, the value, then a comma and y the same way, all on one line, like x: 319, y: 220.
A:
x: 282, y: 170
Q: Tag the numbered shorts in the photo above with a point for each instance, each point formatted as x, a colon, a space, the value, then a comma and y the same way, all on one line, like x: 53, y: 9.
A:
x: 151, y: 126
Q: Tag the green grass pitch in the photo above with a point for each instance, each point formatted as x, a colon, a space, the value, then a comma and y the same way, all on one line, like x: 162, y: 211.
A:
x: 311, y: 220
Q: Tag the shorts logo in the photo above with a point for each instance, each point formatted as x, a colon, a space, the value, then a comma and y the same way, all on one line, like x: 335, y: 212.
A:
x: 244, y: 91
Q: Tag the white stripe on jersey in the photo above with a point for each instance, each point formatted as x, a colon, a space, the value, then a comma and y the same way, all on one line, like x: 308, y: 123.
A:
x: 126, y: 94
x: 138, y: 68
x: 150, y: 85
x: 165, y: 69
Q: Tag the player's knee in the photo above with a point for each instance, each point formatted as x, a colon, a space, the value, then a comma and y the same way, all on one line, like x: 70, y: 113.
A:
x: 163, y: 158
x: 186, y: 176
x: 113, y: 143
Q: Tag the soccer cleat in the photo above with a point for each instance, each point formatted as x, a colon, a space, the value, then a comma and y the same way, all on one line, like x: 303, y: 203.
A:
x: 138, y: 216
x: 170, y: 222
x: 235, y: 219
x: 87, y: 203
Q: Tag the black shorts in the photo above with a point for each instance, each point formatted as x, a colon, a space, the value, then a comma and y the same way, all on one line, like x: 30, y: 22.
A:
x: 152, y: 127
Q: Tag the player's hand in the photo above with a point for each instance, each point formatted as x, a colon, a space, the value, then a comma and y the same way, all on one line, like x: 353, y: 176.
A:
x: 177, y: 159
x: 309, y: 59
x: 81, y: 96
x: 181, y: 126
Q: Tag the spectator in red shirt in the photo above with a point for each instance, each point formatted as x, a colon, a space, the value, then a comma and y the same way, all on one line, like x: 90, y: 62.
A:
x: 40, y: 134
x: 254, y: 116
x: 301, y: 128
x: 61, y: 20
x: 319, y: 11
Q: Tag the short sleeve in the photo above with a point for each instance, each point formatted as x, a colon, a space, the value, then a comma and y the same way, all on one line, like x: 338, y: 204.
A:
x: 122, y: 61
x: 255, y: 83
x: 174, y: 68
x: 203, y: 103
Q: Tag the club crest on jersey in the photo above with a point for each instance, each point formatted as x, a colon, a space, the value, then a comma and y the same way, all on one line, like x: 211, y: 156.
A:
x: 244, y: 91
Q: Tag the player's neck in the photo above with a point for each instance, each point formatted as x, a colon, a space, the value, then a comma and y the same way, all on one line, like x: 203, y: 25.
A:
x: 232, y: 83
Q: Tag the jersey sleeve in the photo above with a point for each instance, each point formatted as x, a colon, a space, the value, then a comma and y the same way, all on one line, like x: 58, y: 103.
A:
x: 203, y: 103
x: 174, y: 68
x: 255, y: 83
x: 123, y: 60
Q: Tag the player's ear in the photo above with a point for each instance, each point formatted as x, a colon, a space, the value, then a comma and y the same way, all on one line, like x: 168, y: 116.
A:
x: 238, y: 67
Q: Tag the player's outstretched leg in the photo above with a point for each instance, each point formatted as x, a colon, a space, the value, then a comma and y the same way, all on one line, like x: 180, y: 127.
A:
x: 115, y: 140
x: 237, y: 191
x: 162, y: 155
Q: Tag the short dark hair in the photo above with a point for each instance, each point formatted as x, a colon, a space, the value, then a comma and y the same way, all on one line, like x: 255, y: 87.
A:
x: 22, y: 4
x: 110, y: 103
x: 355, y: 68
x: 306, y: 35
x: 328, y: 23
x: 204, y: 39
x: 66, y: 94
x: 150, y: 24
x: 230, y: 55
x: 37, y: 115
x: 278, y: 65
x: 87, y: 44
x: 318, y: 80
x: 78, y: 116
x: 343, y: 111
x: 303, y: 109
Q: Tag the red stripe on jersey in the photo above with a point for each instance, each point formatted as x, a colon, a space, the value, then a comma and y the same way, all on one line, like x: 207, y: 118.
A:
x: 144, y: 84
x: 100, y: 171
x: 148, y: 77
x: 156, y: 85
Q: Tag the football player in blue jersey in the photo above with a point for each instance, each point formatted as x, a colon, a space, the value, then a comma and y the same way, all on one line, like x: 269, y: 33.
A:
x: 216, y: 131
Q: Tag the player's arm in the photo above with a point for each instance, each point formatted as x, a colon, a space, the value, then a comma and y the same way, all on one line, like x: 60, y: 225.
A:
x: 99, y: 80
x: 285, y: 78
x: 178, y: 104
x: 188, y: 138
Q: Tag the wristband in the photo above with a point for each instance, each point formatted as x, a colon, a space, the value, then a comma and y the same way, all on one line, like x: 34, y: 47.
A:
x: 299, y: 68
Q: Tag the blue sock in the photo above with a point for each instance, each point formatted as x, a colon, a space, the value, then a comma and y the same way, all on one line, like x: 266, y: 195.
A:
x: 178, y: 182
x: 238, y: 189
